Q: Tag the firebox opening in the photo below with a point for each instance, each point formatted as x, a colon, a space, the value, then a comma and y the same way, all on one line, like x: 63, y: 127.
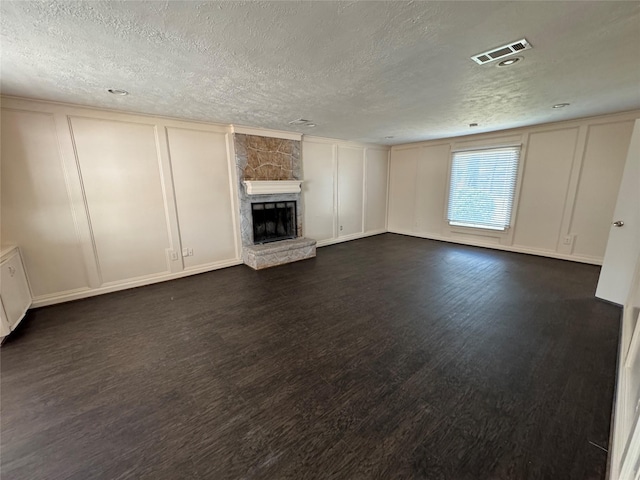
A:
x: 273, y: 221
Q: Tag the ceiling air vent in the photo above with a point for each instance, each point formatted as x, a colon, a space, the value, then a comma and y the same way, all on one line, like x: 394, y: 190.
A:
x: 501, y: 52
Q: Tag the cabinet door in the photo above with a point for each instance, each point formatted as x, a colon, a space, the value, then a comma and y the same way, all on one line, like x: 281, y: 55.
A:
x: 350, y: 180
x: 4, y: 323
x: 16, y: 297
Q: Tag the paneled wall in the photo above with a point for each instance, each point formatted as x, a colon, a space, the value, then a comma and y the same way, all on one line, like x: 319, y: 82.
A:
x: 99, y: 201
x: 204, y: 199
x: 569, y: 177
x: 36, y: 212
x: 344, y: 189
x: 120, y: 170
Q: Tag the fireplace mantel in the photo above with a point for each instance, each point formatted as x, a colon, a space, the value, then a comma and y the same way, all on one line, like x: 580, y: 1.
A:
x: 271, y: 187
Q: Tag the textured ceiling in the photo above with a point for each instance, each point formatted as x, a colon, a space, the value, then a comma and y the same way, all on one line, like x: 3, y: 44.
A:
x: 360, y: 70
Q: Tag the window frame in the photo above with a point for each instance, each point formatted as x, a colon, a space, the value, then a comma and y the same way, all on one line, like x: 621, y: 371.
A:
x: 499, y: 236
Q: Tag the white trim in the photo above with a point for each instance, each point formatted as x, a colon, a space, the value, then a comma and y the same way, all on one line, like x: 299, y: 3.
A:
x: 73, y: 109
x: 7, y: 252
x: 508, y: 248
x: 75, y: 196
x: 79, y: 293
x: 347, y: 238
x: 170, y: 201
x: 336, y: 192
x: 487, y: 147
x: 94, y: 260
x: 631, y: 455
x: 263, y: 132
x: 364, y: 189
x: 233, y: 192
x: 571, y: 196
x: 538, y: 127
x: 347, y: 143
x: 625, y: 435
x: 165, y: 170
x: 386, y: 205
x: 506, y: 236
x: 271, y: 187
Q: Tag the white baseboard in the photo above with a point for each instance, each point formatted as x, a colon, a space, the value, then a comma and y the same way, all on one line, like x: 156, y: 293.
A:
x: 346, y: 238
x: 79, y: 293
x: 508, y: 248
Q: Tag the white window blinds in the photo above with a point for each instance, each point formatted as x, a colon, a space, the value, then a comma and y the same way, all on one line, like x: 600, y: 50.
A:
x: 482, y: 186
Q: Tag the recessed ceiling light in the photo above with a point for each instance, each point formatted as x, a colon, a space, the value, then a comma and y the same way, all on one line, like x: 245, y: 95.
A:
x: 389, y: 137
x: 509, y: 61
x: 117, y: 91
x: 561, y: 105
x: 473, y: 124
x: 310, y: 125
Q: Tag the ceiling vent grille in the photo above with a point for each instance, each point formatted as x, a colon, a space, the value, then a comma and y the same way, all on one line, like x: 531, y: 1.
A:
x: 501, y: 52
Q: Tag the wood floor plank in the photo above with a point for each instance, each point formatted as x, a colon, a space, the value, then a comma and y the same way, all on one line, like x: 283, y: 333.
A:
x: 386, y: 357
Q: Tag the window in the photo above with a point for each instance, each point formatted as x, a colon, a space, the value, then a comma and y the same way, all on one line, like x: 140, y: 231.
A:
x: 482, y: 186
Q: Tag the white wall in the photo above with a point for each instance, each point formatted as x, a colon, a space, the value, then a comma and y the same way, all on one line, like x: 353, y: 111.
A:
x: 204, y: 197
x: 568, y: 182
x: 100, y: 201
x: 36, y: 212
x: 344, y: 189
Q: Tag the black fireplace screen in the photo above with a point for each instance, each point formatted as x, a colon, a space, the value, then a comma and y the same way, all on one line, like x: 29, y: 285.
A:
x: 273, y: 221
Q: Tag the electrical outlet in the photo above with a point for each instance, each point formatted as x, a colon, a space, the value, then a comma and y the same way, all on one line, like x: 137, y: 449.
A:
x: 568, y: 240
x: 174, y: 255
x: 190, y: 252
x: 185, y: 252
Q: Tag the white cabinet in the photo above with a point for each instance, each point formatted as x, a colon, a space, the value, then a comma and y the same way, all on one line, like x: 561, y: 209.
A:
x: 14, y: 290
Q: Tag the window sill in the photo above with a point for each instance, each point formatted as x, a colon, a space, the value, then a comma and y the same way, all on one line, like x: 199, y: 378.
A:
x: 500, y: 237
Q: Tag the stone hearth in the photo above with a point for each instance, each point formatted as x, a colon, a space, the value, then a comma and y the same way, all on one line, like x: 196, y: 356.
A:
x: 273, y: 159
x: 278, y: 253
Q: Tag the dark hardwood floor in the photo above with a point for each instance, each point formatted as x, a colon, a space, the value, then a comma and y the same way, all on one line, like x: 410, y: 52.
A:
x: 387, y: 357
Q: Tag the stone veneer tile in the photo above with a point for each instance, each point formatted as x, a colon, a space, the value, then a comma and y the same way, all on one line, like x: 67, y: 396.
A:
x: 269, y: 158
x: 266, y: 158
x: 279, y: 253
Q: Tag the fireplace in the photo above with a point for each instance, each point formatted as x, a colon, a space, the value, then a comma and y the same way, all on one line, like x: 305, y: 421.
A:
x: 273, y: 221
x: 270, y: 201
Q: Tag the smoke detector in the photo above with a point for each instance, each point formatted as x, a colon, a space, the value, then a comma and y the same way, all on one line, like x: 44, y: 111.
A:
x: 301, y: 121
x: 117, y: 91
x: 501, y: 52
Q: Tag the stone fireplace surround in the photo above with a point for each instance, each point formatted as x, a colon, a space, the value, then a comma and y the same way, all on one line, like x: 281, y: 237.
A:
x: 274, y: 159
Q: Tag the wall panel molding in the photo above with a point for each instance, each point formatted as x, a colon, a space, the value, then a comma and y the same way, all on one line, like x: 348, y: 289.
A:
x: 547, y: 200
